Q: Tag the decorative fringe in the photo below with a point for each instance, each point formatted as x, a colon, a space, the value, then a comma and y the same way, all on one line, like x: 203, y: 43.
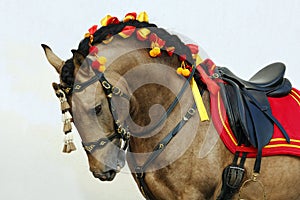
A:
x: 69, y: 145
x: 64, y: 105
x: 67, y: 126
x: 66, y: 116
x: 65, y: 147
x: 72, y: 146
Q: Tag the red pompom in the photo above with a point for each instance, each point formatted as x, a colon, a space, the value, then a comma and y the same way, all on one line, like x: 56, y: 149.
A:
x: 95, y: 64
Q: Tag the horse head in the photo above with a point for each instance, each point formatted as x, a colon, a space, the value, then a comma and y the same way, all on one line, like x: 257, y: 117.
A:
x: 92, y: 116
x: 95, y: 82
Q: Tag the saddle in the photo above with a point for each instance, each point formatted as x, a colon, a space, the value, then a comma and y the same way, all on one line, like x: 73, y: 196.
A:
x: 247, y: 105
x: 248, y: 113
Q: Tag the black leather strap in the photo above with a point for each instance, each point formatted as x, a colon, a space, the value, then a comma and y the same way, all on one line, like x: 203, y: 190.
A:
x: 78, y: 87
x: 172, y: 106
x: 140, y: 170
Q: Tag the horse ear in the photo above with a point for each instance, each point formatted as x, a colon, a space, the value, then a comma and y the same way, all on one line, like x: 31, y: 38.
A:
x: 78, y: 58
x: 53, y: 59
x: 80, y: 63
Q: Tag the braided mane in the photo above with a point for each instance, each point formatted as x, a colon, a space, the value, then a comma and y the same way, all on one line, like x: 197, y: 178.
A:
x: 67, y: 73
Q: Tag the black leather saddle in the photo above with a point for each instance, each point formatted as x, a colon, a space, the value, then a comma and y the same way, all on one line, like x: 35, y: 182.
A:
x: 247, y: 106
x: 269, y: 80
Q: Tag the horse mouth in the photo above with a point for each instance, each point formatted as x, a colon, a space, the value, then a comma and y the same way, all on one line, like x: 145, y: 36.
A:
x: 105, y: 176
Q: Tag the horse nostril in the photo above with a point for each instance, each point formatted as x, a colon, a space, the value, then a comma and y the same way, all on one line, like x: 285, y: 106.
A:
x: 106, y: 176
x: 98, y: 175
x: 111, y: 175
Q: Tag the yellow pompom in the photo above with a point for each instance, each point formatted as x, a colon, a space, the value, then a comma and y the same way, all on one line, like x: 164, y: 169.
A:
x: 155, y: 52
x: 102, y: 68
x: 186, y: 72
x: 101, y: 60
x: 179, y: 70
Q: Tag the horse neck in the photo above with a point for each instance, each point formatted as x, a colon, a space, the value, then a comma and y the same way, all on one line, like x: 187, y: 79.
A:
x: 154, y: 84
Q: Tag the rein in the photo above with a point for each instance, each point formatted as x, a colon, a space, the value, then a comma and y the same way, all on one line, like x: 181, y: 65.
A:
x: 172, y: 105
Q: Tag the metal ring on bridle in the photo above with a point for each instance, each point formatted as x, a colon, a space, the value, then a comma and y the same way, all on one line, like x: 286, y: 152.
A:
x: 116, y: 91
x: 106, y: 85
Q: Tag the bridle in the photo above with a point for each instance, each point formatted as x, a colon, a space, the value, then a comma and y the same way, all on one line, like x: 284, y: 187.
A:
x: 120, y: 131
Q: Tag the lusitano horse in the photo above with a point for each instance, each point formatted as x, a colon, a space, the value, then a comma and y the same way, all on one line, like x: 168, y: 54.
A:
x: 121, y: 85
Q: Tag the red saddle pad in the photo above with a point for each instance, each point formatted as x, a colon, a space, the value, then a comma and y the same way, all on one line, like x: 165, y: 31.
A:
x: 287, y: 112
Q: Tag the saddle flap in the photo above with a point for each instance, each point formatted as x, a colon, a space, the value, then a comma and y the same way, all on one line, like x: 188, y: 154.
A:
x: 259, y: 127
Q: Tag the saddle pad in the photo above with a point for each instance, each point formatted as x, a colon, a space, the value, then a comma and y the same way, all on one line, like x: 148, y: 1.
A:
x: 285, y: 109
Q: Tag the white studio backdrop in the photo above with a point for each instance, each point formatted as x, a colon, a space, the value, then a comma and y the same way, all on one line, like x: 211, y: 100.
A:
x: 242, y: 35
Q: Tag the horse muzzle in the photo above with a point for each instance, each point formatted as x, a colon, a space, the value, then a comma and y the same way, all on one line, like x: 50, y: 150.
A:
x: 110, y: 173
x: 105, y: 176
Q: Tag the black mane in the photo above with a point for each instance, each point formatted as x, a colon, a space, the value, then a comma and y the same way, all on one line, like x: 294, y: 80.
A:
x: 67, y: 74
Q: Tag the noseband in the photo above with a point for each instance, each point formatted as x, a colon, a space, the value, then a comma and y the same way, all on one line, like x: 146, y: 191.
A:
x: 120, y: 132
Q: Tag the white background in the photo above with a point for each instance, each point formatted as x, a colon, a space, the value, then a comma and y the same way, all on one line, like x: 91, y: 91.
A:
x: 242, y: 35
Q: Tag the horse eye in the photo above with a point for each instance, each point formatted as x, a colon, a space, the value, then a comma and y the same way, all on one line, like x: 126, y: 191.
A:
x: 98, y: 109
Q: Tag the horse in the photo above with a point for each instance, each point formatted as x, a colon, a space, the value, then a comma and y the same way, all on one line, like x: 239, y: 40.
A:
x: 127, y: 90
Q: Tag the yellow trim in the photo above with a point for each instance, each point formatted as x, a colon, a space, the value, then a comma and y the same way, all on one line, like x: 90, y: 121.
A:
x: 292, y: 95
x: 295, y: 93
x: 213, y: 67
x: 282, y: 145
x: 283, y: 139
x: 222, y: 120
